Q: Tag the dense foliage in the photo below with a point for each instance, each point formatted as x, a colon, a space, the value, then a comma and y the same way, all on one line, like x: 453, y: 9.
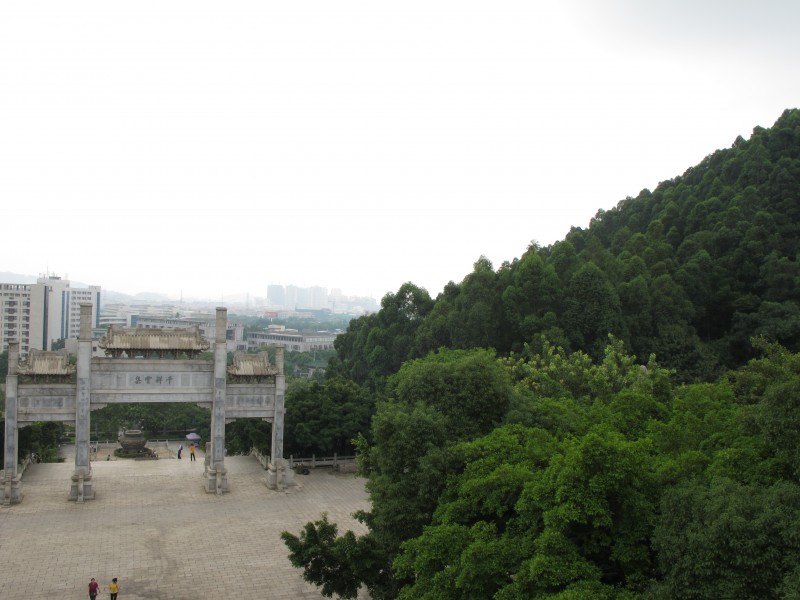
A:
x: 580, y: 479
x: 613, y: 416
x: 296, y: 364
x: 171, y: 420
x: 41, y: 439
x: 324, y: 419
x: 690, y: 271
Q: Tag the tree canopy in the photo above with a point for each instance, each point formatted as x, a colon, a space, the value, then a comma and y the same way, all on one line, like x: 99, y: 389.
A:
x: 690, y: 271
x: 612, y: 416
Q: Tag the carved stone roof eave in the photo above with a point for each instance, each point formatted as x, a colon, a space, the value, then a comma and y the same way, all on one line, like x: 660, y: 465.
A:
x: 252, y: 365
x: 42, y: 362
x: 137, y: 338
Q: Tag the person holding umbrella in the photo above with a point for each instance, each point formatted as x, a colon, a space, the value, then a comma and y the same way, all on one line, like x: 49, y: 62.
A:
x: 193, y: 440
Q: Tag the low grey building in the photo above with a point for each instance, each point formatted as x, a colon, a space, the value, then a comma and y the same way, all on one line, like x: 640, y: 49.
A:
x: 292, y: 339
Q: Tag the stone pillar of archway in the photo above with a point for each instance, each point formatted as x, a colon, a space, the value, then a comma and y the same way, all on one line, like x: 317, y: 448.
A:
x: 12, y: 484
x: 81, y: 488
x: 277, y: 476
x: 216, y: 474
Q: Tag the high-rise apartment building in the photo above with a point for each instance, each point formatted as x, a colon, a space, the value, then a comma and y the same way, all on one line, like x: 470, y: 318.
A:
x: 64, y: 307
x: 319, y: 297
x: 290, y: 299
x: 38, y: 314
x: 276, y: 295
x: 293, y: 298
x: 21, y: 318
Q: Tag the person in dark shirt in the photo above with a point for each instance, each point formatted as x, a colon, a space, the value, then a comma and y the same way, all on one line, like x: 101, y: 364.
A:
x: 93, y: 589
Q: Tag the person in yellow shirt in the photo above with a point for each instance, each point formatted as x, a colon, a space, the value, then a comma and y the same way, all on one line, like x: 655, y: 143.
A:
x: 191, y: 452
x: 113, y: 588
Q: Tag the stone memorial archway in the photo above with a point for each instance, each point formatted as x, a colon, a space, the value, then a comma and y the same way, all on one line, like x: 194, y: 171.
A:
x: 146, y: 366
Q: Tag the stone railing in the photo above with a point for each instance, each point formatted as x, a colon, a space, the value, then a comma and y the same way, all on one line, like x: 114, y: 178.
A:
x: 335, y: 461
x: 26, y: 462
x: 340, y: 463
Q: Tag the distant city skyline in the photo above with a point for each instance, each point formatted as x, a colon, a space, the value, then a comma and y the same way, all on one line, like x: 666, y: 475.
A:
x: 8, y: 277
x: 38, y: 311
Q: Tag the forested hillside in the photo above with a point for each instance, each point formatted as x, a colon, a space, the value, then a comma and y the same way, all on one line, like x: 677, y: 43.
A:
x: 614, y: 416
x: 689, y: 272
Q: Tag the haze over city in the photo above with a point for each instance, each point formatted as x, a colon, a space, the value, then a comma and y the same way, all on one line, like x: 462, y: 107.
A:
x: 206, y: 150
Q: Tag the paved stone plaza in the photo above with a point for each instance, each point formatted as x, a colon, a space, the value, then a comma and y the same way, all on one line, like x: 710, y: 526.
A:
x: 153, y: 526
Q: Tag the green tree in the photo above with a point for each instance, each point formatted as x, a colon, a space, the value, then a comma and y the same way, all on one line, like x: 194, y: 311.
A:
x: 779, y: 419
x: 531, y: 294
x: 728, y: 541
x: 436, y: 330
x: 405, y: 467
x: 470, y: 388
x: 480, y: 320
x: 551, y: 372
x: 432, y: 403
x: 337, y: 564
x: 295, y: 364
x: 595, y: 507
x: 173, y: 419
x: 475, y: 544
x: 323, y: 419
x: 529, y: 517
x: 40, y: 438
x: 564, y: 260
x: 376, y: 345
x: 637, y: 313
x: 242, y: 435
x: 592, y: 310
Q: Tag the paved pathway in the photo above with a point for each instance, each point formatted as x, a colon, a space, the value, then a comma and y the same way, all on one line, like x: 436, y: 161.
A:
x: 152, y: 526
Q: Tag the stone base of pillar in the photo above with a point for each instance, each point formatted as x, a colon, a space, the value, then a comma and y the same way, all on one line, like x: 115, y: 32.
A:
x: 279, y: 475
x: 288, y: 476
x: 81, y: 488
x: 12, y: 491
x: 216, y: 478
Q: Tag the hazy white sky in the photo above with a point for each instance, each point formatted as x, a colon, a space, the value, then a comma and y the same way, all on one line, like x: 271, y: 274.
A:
x: 211, y: 148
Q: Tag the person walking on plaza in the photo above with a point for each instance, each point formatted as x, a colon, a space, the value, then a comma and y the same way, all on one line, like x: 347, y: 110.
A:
x: 113, y: 588
x: 180, y: 449
x: 93, y: 589
x: 191, y: 452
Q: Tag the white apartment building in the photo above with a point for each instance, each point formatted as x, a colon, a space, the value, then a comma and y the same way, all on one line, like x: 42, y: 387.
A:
x: 21, y: 317
x: 63, y: 308
x: 38, y: 314
x: 76, y: 297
